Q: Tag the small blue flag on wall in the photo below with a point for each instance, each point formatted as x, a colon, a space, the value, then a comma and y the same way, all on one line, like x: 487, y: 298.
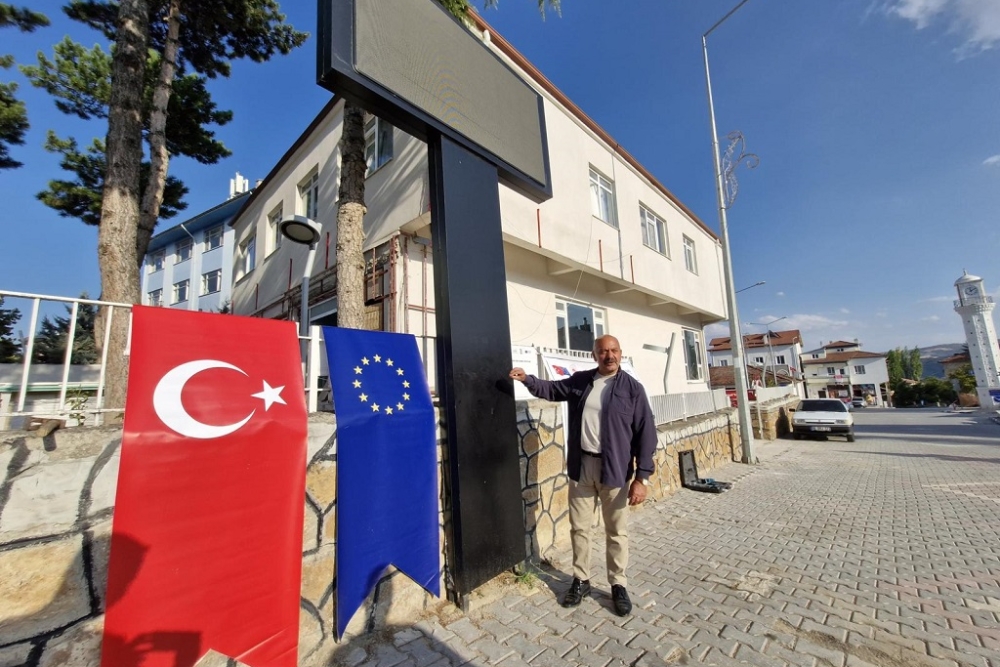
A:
x: 387, y: 486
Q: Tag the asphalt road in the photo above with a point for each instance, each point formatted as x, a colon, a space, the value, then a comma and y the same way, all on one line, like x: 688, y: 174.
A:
x: 885, y: 552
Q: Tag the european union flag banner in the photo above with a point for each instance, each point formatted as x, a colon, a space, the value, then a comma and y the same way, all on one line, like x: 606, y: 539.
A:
x: 387, y: 487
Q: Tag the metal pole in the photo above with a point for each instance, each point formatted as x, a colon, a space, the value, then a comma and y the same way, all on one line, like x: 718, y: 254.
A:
x: 735, y: 337
x: 304, y: 314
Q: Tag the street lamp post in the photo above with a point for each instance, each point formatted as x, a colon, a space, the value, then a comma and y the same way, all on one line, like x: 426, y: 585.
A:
x: 735, y: 336
x: 756, y: 284
x: 770, y: 350
x: 300, y: 229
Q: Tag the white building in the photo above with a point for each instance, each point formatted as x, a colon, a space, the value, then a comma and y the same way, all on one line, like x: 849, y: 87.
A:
x: 190, y: 265
x: 842, y: 370
x: 976, y: 310
x: 613, y: 251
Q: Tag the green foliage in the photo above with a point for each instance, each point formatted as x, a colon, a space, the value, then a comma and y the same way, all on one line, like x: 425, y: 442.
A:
x: 10, y: 347
x: 932, y: 391
x: 916, y: 366
x: 966, y: 378
x: 53, y: 336
x: 904, y: 363
x: 894, y: 363
x: 81, y: 198
x: 13, y: 114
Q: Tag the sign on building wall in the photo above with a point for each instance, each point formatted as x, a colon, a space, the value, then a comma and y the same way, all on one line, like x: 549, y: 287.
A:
x: 526, y: 357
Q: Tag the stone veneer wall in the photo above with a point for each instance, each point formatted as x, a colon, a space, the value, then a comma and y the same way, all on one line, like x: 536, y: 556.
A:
x: 775, y: 416
x: 714, y: 438
x: 57, y: 499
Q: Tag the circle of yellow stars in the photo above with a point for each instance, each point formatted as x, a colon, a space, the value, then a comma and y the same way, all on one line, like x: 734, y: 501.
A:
x: 404, y: 384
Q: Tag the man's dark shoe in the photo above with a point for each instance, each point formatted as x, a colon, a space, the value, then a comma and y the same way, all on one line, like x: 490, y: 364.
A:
x: 623, y: 605
x: 577, y: 591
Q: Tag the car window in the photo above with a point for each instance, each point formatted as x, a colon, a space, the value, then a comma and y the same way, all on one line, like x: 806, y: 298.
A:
x: 822, y: 405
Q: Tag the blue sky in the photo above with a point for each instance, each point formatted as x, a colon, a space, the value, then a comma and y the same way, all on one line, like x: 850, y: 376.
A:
x: 876, y: 123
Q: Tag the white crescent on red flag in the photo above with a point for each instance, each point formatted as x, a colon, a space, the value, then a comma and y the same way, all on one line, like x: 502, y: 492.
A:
x: 206, y: 548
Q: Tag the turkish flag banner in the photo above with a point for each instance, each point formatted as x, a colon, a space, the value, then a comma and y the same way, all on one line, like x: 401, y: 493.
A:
x: 206, y: 546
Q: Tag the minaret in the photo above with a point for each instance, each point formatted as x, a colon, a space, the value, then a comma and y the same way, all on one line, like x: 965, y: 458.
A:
x: 976, y: 310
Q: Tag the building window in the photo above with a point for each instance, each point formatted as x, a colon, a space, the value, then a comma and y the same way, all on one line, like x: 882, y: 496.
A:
x: 602, y: 198
x: 309, y: 196
x: 181, y: 291
x: 246, y: 258
x: 758, y: 360
x: 692, y: 354
x: 184, y: 250
x: 724, y: 362
x: 156, y: 260
x: 578, y: 326
x: 155, y: 298
x: 830, y: 370
x: 274, y: 228
x: 654, y: 231
x: 690, y: 259
x: 213, y: 238
x: 378, y: 142
x: 780, y: 359
x: 860, y: 370
x: 211, y: 282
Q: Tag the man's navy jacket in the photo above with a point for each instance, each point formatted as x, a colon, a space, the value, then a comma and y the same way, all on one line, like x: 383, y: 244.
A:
x: 628, y: 429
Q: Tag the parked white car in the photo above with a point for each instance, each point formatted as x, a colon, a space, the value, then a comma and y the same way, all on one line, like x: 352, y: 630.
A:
x: 822, y: 416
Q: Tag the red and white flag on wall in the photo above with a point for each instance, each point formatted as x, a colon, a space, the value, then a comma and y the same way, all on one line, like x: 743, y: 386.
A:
x: 206, y: 549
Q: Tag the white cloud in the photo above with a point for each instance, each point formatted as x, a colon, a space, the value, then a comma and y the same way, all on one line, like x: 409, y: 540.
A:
x: 881, y: 313
x: 717, y: 330
x: 780, y: 294
x: 938, y: 299
x: 810, y: 322
x: 845, y: 311
x: 976, y: 22
x: 992, y: 161
x: 932, y: 318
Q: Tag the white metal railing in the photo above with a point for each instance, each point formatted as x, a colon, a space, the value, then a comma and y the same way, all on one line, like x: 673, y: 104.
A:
x: 75, y: 392
x: 675, y: 407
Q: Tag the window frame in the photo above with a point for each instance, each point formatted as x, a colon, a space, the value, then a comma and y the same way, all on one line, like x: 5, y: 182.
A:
x: 179, y: 287
x: 699, y: 366
x: 859, y: 370
x: 217, y: 232
x: 831, y: 371
x: 598, y: 321
x: 155, y: 297
x: 247, y: 261
x: 274, y: 227
x: 779, y: 359
x: 690, y: 254
x: 659, y: 224
x: 157, y: 260
x: 598, y: 183
x: 206, y: 277
x: 187, y: 244
x: 377, y: 131
x: 307, y: 202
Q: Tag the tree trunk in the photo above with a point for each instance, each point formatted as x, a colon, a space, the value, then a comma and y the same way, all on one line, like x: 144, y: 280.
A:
x: 350, y: 221
x: 159, y: 157
x: 116, y: 236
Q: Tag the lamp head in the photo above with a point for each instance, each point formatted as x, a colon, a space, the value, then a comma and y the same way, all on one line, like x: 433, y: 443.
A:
x: 656, y: 348
x: 300, y: 229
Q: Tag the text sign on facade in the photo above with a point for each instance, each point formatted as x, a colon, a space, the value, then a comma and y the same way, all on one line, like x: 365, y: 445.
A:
x: 413, y: 64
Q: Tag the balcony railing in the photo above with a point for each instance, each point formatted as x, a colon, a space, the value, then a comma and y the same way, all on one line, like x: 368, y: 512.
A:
x: 974, y: 301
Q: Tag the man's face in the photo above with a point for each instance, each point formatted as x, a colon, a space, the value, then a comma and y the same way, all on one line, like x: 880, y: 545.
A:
x: 607, y: 354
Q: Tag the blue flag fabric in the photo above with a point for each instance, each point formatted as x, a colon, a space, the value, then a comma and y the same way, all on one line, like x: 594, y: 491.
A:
x: 387, y: 488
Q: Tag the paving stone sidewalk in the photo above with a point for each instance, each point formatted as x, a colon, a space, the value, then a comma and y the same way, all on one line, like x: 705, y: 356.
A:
x: 884, y: 552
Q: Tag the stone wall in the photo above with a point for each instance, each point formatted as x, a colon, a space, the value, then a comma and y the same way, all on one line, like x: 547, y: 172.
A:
x: 57, y: 498
x: 774, y: 415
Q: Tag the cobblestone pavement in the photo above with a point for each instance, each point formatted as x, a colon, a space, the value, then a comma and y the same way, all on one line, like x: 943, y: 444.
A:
x: 881, y: 552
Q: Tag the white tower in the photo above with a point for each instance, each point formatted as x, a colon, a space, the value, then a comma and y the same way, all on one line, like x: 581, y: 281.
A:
x: 976, y: 310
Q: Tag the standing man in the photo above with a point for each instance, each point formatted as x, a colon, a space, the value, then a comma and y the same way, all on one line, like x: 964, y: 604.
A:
x: 609, y: 458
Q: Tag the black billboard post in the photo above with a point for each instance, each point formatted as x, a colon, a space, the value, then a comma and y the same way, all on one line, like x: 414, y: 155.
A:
x: 415, y: 66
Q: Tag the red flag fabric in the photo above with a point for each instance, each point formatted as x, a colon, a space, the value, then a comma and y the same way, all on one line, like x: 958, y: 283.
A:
x: 206, y: 546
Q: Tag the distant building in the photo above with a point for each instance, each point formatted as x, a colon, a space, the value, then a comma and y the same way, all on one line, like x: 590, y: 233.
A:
x: 190, y: 265
x: 775, y: 351
x: 976, y: 310
x: 954, y: 362
x: 841, y: 369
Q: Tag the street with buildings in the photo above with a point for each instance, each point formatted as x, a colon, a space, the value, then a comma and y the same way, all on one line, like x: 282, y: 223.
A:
x: 883, y: 552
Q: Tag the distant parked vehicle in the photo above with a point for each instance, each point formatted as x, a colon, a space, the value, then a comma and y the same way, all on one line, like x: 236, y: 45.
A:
x: 858, y: 402
x: 822, y: 416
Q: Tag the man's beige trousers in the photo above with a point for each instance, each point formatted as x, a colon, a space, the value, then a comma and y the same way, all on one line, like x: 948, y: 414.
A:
x: 584, y: 497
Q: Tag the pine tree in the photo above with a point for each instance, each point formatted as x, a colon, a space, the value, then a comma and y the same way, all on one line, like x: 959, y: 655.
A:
x: 13, y: 114
x: 10, y: 348
x: 53, y: 336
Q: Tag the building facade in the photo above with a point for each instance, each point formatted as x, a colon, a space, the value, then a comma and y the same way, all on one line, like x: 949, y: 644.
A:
x: 841, y: 369
x: 613, y: 251
x: 190, y: 265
